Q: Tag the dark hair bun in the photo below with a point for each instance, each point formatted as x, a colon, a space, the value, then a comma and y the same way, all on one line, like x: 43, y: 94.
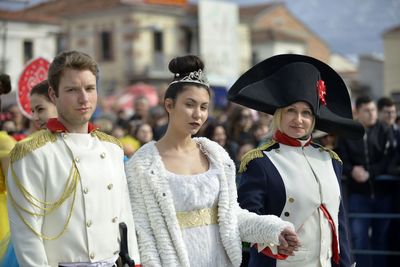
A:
x: 5, y: 84
x: 185, y: 64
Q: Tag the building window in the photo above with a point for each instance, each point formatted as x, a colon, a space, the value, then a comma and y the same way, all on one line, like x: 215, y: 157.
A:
x: 188, y: 37
x: 158, y: 41
x: 106, y: 46
x: 28, y: 51
x: 254, y: 58
x: 61, y: 43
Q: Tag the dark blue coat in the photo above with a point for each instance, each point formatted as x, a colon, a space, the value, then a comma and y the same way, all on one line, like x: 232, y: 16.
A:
x: 262, y: 190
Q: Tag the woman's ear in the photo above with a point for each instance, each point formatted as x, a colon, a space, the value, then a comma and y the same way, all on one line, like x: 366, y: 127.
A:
x: 169, y: 104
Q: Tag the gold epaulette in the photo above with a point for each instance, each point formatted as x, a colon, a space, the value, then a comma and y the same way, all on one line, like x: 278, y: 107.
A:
x: 254, y: 154
x: 32, y: 142
x: 331, y: 152
x: 107, y: 138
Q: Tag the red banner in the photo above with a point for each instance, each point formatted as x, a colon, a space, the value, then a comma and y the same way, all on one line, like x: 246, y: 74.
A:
x: 34, y: 72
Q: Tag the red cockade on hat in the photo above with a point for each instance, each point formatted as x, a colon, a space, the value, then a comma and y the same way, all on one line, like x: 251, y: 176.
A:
x: 321, y: 90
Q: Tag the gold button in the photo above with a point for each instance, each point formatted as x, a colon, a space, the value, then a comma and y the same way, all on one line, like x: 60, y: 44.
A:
x: 291, y: 200
x: 114, y: 220
x: 89, y: 223
x: 92, y: 255
x: 85, y: 190
x: 103, y: 155
x: 93, y: 134
x: 110, y: 186
x: 77, y: 160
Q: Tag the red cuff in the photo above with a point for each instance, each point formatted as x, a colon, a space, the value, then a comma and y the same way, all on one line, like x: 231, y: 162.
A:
x: 267, y: 251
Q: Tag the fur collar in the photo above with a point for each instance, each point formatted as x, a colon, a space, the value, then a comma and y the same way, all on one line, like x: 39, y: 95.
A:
x: 151, y: 172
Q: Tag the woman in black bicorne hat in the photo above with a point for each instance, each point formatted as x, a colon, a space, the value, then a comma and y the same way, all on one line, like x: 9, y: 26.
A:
x: 290, y: 176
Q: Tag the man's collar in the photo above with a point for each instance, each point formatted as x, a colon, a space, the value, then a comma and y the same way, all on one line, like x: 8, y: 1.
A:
x: 55, y: 126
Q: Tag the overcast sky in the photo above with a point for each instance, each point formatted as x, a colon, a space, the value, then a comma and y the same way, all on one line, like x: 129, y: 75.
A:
x: 350, y: 27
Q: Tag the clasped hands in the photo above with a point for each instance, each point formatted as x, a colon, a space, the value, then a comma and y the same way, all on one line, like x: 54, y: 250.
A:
x: 289, y: 242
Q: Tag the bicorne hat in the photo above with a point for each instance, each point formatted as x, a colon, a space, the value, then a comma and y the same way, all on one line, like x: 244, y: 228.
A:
x: 285, y: 79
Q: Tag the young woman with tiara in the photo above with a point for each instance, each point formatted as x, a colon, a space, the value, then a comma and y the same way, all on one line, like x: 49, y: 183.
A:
x: 183, y: 191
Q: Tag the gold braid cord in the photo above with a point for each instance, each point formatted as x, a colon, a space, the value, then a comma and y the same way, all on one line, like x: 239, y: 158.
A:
x: 254, y: 154
x: 46, y: 207
x: 331, y: 153
x: 33, y: 142
x: 107, y: 138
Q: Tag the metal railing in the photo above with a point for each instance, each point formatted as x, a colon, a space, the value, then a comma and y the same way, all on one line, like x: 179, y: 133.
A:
x: 394, y: 216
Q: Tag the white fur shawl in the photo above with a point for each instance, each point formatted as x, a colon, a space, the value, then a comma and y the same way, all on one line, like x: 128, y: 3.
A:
x: 159, y: 235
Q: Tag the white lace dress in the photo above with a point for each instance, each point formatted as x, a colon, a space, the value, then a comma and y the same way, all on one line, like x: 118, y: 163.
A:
x: 193, y: 192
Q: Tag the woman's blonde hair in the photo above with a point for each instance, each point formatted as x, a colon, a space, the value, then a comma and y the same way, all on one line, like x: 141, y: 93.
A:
x: 277, y: 120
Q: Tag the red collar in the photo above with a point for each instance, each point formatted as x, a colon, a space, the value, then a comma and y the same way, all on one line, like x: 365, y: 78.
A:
x: 287, y: 140
x: 55, y: 126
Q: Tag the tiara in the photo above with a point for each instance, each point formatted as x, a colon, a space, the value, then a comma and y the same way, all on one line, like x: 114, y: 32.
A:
x: 193, y: 77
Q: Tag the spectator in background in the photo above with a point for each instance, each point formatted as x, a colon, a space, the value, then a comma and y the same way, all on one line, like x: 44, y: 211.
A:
x: 7, y: 255
x: 327, y: 140
x: 364, y: 160
x: 17, y: 117
x: 141, y: 109
x: 243, y: 148
x: 397, y: 121
x: 158, y: 120
x: 122, y: 118
x: 144, y: 133
x: 9, y: 127
x: 239, y: 124
x: 41, y: 105
x: 259, y: 132
x: 216, y: 132
x: 387, y: 115
x: 128, y: 142
x: 104, y: 123
x: 15, y: 126
x: 387, y: 111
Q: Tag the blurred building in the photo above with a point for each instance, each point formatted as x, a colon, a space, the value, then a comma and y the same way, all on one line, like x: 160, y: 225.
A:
x: 133, y: 40
x: 348, y: 70
x: 275, y: 30
x: 370, y: 77
x: 391, y: 43
x: 24, y: 37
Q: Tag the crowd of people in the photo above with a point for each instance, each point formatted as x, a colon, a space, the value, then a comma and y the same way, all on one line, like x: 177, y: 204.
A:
x: 298, y: 162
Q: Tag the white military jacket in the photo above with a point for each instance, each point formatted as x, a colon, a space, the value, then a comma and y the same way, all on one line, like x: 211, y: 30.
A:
x: 88, y: 220
x: 293, y: 182
x: 313, y: 175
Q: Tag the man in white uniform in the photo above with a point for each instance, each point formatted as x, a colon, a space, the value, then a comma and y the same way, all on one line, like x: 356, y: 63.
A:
x: 67, y: 185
